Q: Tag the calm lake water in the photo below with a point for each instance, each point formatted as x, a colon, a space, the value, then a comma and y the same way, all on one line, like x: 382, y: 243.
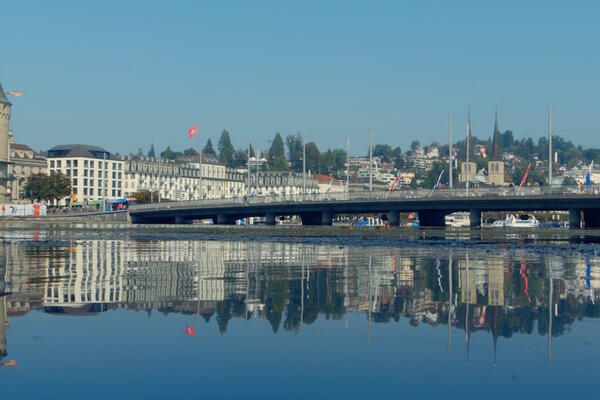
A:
x: 92, y: 312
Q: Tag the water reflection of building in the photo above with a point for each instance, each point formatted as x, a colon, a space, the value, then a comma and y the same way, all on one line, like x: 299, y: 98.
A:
x: 293, y: 284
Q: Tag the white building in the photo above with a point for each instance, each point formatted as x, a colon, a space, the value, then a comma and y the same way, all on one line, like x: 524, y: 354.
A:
x: 180, y: 180
x: 267, y: 183
x: 95, y: 174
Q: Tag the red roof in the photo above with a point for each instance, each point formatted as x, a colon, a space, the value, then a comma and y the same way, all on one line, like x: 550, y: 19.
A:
x: 325, y: 178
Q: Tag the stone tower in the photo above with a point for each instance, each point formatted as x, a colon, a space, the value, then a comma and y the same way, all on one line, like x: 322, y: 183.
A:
x: 5, y: 106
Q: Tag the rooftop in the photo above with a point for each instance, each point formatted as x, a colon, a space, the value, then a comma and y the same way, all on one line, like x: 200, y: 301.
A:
x: 3, y: 98
x: 77, y: 150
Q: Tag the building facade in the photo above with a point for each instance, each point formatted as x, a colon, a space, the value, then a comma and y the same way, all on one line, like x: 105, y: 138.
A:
x: 181, y: 180
x: 5, y: 110
x: 95, y: 174
x: 24, y: 162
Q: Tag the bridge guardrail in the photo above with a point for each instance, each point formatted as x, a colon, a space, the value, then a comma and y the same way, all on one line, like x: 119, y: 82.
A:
x: 536, y: 191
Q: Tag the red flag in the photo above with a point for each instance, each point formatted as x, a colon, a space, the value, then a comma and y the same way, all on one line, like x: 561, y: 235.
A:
x: 524, y: 176
x: 193, y: 131
x: 189, y: 330
x: 411, y: 215
x: 394, y: 183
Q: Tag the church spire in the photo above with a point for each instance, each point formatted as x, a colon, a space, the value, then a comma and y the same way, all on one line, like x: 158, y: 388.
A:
x: 496, y: 153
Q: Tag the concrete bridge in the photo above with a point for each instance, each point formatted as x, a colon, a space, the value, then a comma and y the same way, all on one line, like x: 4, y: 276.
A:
x: 431, y: 207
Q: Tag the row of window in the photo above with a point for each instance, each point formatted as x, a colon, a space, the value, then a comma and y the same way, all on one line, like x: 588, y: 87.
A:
x: 115, y: 184
x: 86, y: 164
x: 99, y: 192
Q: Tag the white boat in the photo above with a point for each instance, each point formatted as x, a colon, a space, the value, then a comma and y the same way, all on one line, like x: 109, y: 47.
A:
x: 458, y: 220
x: 519, y: 221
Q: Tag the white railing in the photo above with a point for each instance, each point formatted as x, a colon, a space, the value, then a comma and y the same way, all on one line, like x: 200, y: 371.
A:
x: 417, y: 194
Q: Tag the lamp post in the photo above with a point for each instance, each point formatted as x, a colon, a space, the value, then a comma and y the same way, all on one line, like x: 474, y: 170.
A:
x: 304, y: 165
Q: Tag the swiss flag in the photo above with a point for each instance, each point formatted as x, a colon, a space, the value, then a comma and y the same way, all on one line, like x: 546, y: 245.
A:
x: 189, y: 330
x: 193, y: 131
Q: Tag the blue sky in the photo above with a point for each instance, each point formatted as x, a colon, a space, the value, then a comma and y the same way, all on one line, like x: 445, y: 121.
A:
x: 124, y: 75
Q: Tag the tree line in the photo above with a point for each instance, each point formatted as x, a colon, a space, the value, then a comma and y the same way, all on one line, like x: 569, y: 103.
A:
x: 281, y: 156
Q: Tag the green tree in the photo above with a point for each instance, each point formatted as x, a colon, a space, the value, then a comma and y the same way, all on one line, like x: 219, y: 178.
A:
x: 169, y: 154
x: 569, y: 181
x: 208, y: 149
x: 280, y: 164
x: 240, y: 158
x: 384, y: 151
x: 277, y: 152
x: 339, y: 165
x: 328, y: 162
x: 294, y: 145
x: 47, y: 187
x: 414, y: 145
x: 312, y: 157
x: 191, y: 152
x: 226, y: 150
x: 151, y: 152
x: 144, y: 196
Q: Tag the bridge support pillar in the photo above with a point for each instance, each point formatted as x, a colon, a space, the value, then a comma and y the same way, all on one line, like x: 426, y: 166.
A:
x: 474, y: 218
x: 224, y: 219
x: 432, y: 218
x: 575, y: 218
x: 180, y: 220
x: 394, y: 217
x: 591, y: 216
x: 316, y: 218
x: 270, y: 219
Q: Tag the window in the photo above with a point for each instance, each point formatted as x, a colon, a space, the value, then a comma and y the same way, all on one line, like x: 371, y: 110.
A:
x: 85, y: 163
x: 51, y: 163
x: 85, y: 191
x: 85, y: 181
x: 114, y: 192
x: 74, y: 181
x: 85, y: 172
x: 120, y: 166
x: 75, y: 172
x: 119, y: 175
x: 58, y: 162
x: 74, y: 163
x: 114, y: 175
x: 91, y: 191
x: 114, y: 166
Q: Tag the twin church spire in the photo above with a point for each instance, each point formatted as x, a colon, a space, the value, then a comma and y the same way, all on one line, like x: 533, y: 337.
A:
x: 496, y: 151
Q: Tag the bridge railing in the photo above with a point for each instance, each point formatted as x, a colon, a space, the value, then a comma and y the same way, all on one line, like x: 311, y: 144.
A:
x: 415, y: 194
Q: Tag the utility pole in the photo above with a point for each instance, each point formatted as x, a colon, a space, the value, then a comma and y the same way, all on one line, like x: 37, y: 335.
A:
x: 159, y: 177
x: 370, y: 161
x: 348, y: 166
x: 550, y: 144
x: 200, y: 157
x: 450, y: 151
x: 304, y: 165
x: 248, y: 184
x: 468, y: 140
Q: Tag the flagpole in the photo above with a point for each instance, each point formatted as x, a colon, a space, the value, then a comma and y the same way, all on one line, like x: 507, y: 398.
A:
x: 200, y: 157
x: 468, y: 140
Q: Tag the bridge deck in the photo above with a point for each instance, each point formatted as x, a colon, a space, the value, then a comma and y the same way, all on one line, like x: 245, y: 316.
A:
x: 431, y: 206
